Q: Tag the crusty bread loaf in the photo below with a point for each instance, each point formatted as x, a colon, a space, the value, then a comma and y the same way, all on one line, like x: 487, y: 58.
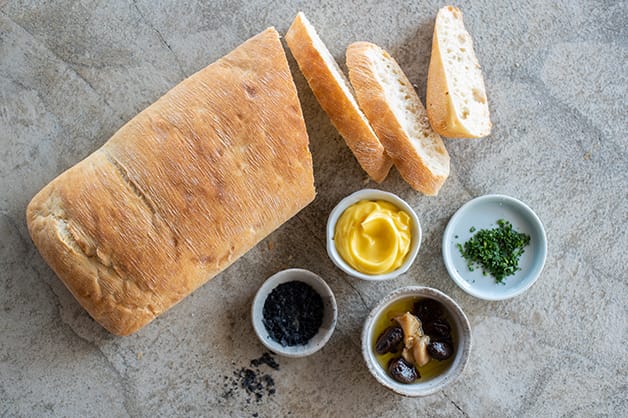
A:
x: 333, y: 92
x: 398, y: 117
x: 456, y: 98
x: 181, y: 191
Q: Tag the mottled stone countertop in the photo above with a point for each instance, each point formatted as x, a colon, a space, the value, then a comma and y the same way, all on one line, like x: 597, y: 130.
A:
x: 72, y: 72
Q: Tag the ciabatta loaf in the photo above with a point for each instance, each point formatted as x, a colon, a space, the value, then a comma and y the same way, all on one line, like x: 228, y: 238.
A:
x: 181, y: 191
x: 456, y: 98
x: 334, y: 93
x: 398, y: 117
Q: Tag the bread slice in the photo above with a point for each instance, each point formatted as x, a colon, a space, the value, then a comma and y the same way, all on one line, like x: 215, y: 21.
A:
x: 398, y: 117
x: 456, y: 98
x: 334, y: 93
x: 181, y: 191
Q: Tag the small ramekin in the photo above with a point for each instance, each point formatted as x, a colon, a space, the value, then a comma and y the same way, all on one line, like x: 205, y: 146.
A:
x: 483, y: 213
x: 372, y: 194
x: 330, y: 312
x: 460, y: 325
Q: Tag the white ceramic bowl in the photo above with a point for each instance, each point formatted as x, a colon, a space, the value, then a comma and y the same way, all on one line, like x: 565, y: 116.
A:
x: 330, y: 313
x: 372, y: 194
x: 462, y: 342
x: 482, y: 213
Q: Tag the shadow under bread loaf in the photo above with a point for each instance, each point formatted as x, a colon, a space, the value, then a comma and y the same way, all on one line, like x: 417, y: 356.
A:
x: 181, y: 191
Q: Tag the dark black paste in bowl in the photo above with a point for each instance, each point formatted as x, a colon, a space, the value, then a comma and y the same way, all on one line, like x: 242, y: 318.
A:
x: 293, y: 313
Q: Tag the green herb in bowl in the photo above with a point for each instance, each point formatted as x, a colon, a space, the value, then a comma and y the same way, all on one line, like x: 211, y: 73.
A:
x: 496, y: 250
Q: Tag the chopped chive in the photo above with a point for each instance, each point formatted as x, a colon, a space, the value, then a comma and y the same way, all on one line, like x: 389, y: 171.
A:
x: 496, y: 250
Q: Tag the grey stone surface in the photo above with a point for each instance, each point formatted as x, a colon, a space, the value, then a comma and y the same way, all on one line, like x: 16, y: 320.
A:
x: 72, y: 72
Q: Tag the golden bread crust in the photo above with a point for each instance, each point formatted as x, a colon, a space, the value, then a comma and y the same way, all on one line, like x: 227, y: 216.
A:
x: 440, y: 101
x: 378, y: 108
x: 181, y: 191
x: 440, y: 108
x: 344, y: 115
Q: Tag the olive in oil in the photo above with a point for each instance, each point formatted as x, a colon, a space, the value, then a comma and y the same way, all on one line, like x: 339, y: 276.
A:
x: 431, y: 369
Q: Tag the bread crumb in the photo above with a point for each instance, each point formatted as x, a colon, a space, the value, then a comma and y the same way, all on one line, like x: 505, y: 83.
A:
x: 270, y: 245
x: 139, y: 355
x: 587, y: 155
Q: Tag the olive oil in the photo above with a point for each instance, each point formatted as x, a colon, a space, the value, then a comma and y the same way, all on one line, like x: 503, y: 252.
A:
x: 386, y: 319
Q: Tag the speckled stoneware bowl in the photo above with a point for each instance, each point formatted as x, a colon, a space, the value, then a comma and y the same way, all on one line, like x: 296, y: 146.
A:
x: 460, y: 328
x: 330, y: 313
x: 372, y: 194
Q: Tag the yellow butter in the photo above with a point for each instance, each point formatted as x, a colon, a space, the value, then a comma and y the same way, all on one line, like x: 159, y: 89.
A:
x: 373, y: 237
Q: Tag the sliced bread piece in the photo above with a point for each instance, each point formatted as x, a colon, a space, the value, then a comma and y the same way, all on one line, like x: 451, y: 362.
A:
x: 334, y: 93
x: 396, y: 113
x: 456, y: 98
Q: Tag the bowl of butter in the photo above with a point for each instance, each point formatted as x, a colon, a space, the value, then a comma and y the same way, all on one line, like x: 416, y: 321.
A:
x: 373, y: 235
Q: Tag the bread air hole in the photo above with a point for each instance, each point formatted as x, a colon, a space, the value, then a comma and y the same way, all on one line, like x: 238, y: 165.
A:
x: 478, y: 96
x: 465, y: 113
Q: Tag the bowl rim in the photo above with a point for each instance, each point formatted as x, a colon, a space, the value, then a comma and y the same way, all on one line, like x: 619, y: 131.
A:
x: 330, y: 315
x: 462, y: 353
x: 372, y: 194
x: 528, y: 280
